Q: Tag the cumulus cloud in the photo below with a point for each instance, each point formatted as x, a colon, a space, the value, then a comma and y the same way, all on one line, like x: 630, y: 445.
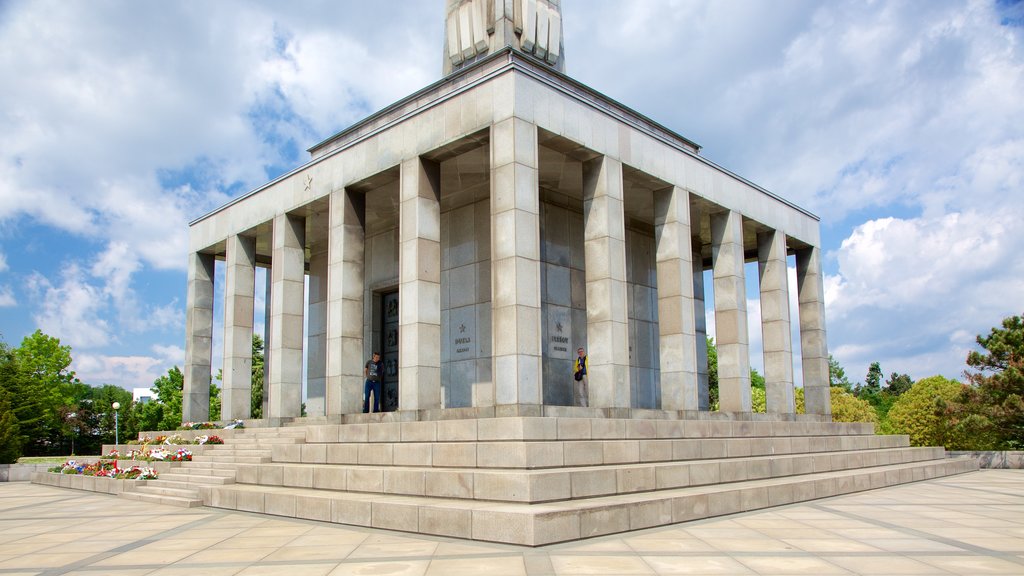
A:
x: 900, y: 125
x: 7, y: 298
x: 70, y: 310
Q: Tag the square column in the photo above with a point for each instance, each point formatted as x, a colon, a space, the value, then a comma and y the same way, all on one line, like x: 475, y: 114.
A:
x: 316, y: 337
x: 515, y: 263
x: 239, y: 294
x: 604, y: 246
x: 195, y: 406
x: 700, y: 328
x: 345, y: 303
x: 419, y: 290
x: 288, y: 268
x: 813, y: 342
x: 730, y: 312
x: 679, y: 390
x: 775, y: 327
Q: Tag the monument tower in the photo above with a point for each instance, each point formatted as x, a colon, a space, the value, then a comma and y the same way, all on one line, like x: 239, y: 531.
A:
x: 477, y: 233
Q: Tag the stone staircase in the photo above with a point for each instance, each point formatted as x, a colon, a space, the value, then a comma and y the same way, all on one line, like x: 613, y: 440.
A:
x: 541, y: 480
x: 213, y: 467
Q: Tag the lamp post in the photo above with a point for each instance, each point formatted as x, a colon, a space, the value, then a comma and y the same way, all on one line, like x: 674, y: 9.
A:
x: 116, y: 406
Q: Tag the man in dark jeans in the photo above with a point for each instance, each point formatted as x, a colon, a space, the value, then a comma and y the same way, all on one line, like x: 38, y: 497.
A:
x: 372, y: 371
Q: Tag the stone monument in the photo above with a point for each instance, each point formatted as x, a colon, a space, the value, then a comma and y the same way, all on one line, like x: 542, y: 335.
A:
x: 477, y: 233
x: 480, y: 230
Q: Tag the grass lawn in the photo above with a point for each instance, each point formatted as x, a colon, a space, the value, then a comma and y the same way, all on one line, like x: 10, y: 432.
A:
x: 51, y: 459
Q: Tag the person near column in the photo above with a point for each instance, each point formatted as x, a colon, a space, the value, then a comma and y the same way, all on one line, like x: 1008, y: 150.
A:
x: 579, y: 389
x: 372, y: 371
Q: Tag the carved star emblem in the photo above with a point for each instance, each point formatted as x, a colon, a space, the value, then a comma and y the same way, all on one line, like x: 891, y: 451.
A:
x: 309, y: 182
x: 462, y: 328
x: 558, y: 326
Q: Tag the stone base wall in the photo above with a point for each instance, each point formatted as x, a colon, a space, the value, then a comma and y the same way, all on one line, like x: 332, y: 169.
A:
x: 20, y: 472
x: 994, y: 459
x: 88, y: 483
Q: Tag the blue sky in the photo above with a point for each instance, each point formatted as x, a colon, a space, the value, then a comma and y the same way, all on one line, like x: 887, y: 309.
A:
x: 901, y: 124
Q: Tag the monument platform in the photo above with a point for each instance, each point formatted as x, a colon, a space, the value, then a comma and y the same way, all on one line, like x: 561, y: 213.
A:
x: 538, y: 480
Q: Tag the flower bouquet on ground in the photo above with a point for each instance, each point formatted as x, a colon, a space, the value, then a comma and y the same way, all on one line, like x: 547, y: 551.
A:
x: 197, y: 426
x: 138, y: 473
x: 211, y: 439
x: 182, y: 455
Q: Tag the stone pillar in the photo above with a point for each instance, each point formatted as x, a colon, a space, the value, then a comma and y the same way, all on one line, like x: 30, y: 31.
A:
x: 813, y: 343
x: 286, y: 312
x: 239, y: 294
x: 700, y: 328
x: 419, y: 290
x: 515, y: 264
x: 775, y: 329
x: 676, y: 330
x: 195, y: 406
x: 604, y: 245
x: 730, y: 312
x: 316, y: 333
x: 345, y: 303
x: 267, y: 301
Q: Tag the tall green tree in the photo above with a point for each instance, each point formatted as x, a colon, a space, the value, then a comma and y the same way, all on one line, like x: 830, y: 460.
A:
x: 31, y: 403
x: 258, y: 363
x: 10, y: 435
x: 837, y: 375
x: 898, y: 384
x: 872, y: 381
x: 996, y: 392
x: 169, y: 391
x: 712, y: 373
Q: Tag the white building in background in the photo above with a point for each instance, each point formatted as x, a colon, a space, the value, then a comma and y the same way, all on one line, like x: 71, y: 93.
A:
x: 144, y: 395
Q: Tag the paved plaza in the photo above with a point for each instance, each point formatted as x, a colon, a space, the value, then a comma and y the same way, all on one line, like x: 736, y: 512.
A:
x: 967, y: 524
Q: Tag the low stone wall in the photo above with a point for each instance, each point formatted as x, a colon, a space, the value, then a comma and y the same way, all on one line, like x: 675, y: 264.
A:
x: 994, y: 459
x: 20, y: 472
x: 89, y: 483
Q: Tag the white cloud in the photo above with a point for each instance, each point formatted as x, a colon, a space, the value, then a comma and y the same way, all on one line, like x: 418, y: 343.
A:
x: 71, y: 310
x: 124, y: 371
x: 909, y: 291
x: 3, y: 262
x: 174, y: 355
x: 7, y: 298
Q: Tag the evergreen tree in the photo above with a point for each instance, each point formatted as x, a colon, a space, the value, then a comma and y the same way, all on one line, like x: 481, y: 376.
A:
x: 898, y: 384
x: 996, y: 394
x: 837, y: 375
x: 872, y: 382
x: 10, y: 437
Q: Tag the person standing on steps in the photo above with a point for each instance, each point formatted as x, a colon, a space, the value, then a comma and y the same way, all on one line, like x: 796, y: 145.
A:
x: 579, y: 389
x: 374, y: 368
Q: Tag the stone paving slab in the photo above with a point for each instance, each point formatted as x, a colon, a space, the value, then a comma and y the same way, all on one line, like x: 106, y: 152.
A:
x: 966, y: 524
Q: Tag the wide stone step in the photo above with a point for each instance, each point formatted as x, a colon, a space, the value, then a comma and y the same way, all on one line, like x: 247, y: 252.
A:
x: 555, y: 484
x: 169, y: 489
x: 239, y: 452
x: 569, y: 453
x: 188, y: 478
x: 211, y: 467
x: 261, y: 440
x: 179, y: 501
x: 566, y: 429
x: 205, y: 469
x: 539, y: 524
x: 231, y: 459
